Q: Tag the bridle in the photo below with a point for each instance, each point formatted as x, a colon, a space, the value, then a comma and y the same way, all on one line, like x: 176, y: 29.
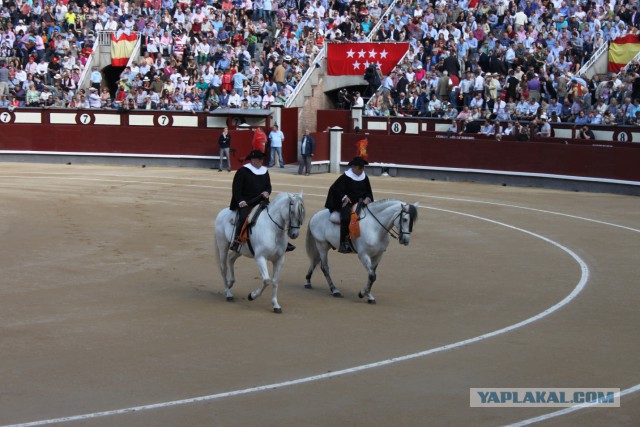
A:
x: 290, y: 225
x: 391, y: 230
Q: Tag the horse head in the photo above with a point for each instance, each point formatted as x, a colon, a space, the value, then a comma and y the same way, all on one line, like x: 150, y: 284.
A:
x: 296, y: 214
x: 408, y: 216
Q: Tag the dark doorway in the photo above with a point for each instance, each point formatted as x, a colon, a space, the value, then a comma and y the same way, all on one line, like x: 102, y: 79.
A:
x: 111, y: 75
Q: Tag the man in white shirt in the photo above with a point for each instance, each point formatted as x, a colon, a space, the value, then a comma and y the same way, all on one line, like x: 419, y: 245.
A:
x: 94, y: 98
x: 478, y: 84
x: 187, y: 105
x: 234, y: 99
x: 96, y: 78
x: 358, y: 102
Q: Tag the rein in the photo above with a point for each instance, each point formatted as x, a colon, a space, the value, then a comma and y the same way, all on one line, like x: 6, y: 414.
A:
x: 394, y: 234
x: 281, y: 227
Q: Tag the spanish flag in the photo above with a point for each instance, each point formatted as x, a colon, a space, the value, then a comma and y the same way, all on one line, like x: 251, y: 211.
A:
x: 122, y: 48
x: 622, y: 50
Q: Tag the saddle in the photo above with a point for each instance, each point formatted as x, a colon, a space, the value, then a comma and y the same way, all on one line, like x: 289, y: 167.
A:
x: 250, y: 222
x: 354, y: 220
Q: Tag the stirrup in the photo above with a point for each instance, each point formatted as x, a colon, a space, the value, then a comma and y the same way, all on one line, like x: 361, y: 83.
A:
x: 345, y: 248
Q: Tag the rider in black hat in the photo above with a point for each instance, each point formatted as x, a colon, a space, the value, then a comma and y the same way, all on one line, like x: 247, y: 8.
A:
x: 351, y: 187
x: 251, y: 185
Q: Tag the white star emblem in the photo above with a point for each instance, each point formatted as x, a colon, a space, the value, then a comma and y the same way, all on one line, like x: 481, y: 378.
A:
x: 366, y: 64
x: 383, y: 54
x: 361, y: 54
x: 356, y: 65
x: 372, y: 53
x: 350, y: 53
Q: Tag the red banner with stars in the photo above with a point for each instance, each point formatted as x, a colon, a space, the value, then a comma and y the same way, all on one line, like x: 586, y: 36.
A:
x: 348, y: 59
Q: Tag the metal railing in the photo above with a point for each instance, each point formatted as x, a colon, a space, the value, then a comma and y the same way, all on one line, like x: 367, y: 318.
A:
x: 594, y: 57
x: 323, y: 53
x: 86, y: 72
x: 307, y: 75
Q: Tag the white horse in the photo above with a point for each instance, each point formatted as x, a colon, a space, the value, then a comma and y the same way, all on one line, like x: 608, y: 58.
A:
x: 281, y: 218
x: 378, y: 221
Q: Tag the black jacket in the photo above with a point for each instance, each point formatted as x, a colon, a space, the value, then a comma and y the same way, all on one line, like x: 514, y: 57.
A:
x: 345, y: 186
x: 247, y: 186
x: 310, y: 146
x: 224, y: 141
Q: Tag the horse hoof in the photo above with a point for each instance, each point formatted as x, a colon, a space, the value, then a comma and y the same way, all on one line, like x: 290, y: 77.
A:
x: 229, y: 299
x: 337, y: 294
x: 360, y: 294
x: 307, y: 286
x: 277, y: 310
x: 371, y: 301
x: 250, y: 298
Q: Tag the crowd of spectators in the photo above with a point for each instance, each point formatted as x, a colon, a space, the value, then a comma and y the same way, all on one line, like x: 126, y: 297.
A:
x: 506, y: 60
x: 468, y: 59
x: 195, y: 55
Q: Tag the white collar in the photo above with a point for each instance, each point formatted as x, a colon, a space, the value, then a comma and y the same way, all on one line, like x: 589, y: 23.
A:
x: 259, y: 171
x: 355, y: 177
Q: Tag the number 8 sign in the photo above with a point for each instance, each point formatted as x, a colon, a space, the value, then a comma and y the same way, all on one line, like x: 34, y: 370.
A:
x: 397, y: 127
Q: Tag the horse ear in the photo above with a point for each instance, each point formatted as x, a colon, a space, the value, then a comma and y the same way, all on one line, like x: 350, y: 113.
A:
x: 300, y: 194
x: 416, y: 205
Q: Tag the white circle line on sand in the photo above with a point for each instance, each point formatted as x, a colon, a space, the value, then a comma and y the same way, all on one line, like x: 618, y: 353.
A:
x: 584, y: 277
x: 569, y: 410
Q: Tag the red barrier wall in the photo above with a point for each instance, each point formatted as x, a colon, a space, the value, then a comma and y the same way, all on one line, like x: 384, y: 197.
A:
x: 331, y: 118
x: 289, y: 126
x: 533, y: 157
x: 322, y: 146
x: 149, y: 140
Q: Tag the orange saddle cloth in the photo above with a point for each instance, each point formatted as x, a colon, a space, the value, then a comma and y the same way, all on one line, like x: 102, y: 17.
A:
x: 354, y: 224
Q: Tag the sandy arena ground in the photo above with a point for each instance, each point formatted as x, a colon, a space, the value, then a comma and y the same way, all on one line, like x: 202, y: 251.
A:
x: 110, y: 298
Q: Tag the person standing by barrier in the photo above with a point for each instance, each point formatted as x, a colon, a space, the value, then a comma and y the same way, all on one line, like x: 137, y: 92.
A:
x: 225, y: 142
x: 4, y: 79
x: 307, y: 149
x: 276, y: 137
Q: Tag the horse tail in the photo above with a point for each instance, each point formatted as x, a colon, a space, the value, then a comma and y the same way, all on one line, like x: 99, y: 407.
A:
x: 312, y: 249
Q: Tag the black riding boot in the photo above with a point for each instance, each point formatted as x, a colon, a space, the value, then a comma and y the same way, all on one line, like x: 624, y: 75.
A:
x: 235, y: 243
x: 345, y: 247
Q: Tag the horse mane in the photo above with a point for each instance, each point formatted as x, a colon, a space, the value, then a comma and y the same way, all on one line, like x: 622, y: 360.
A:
x: 300, y: 213
x: 413, y: 213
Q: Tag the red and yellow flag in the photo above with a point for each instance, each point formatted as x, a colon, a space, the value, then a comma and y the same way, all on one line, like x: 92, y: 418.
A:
x: 122, y: 48
x: 622, y: 50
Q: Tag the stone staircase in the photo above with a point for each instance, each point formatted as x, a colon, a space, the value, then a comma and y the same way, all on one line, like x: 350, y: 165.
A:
x: 310, y: 97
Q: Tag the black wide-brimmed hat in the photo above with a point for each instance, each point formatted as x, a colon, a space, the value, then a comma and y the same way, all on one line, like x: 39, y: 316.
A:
x: 358, y: 161
x: 255, y: 154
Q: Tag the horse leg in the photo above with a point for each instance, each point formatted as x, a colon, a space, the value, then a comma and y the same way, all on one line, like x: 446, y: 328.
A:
x: 277, y: 266
x: 229, y: 274
x: 371, y: 267
x: 324, y: 266
x: 312, y: 266
x: 266, y: 281
x: 223, y: 255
